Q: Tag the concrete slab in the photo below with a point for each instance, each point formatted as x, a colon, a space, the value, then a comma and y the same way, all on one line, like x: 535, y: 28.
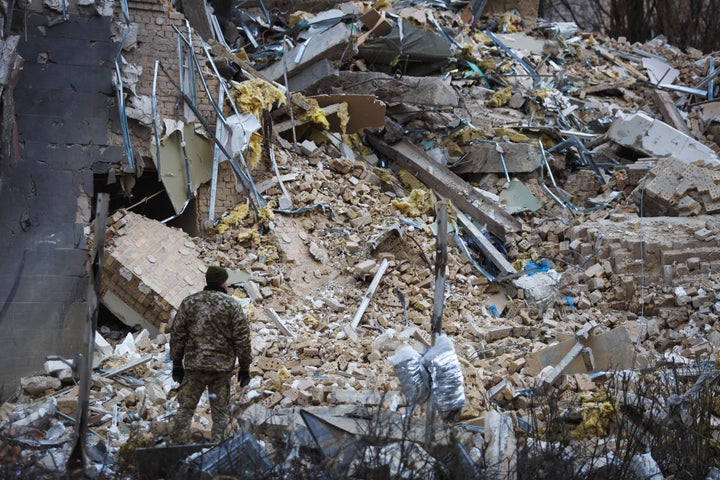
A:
x: 63, y: 50
x: 68, y: 105
x: 330, y: 44
x: 483, y: 157
x: 611, y: 350
x: 653, y: 137
x: 66, y: 157
x: 321, y: 75
x: 405, y: 90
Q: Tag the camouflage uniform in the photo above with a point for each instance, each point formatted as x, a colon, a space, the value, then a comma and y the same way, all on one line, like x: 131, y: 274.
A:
x: 208, y: 333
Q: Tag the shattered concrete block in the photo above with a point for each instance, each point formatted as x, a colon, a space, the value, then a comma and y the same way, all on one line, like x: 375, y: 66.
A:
x: 253, y: 291
x: 596, y: 283
x: 309, y: 148
x: 688, y: 206
x: 67, y: 405
x: 656, y: 138
x: 583, y: 303
x: 318, y: 76
x: 703, y: 234
x: 354, y: 397
x: 365, y: 267
x: 540, y: 288
x: 407, y: 90
x: 681, y: 301
x: 319, y: 253
x: 502, y: 392
x: 583, y: 382
x: 330, y: 44
x: 483, y: 157
x: 54, y: 366
x: 693, y: 263
x: 492, y: 334
x: 595, y: 297
x: 142, y: 339
x: 643, y: 465
x: 361, y: 221
x: 501, y: 444
x: 154, y: 393
x: 352, y: 247
x: 126, y: 347
x: 33, y: 416
x: 102, y: 346
x: 595, y: 270
x: 39, y: 384
x: 516, y: 365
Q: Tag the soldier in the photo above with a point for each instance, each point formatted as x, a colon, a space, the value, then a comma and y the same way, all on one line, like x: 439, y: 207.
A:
x: 208, y: 333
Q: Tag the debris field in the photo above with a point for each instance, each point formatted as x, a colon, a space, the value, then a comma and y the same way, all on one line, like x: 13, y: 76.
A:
x: 578, y: 182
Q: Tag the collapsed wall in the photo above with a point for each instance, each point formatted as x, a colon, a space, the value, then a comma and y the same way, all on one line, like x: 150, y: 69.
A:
x: 149, y: 268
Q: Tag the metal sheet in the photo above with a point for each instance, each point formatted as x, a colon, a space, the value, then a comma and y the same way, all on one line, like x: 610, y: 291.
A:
x: 334, y: 442
x: 199, y: 156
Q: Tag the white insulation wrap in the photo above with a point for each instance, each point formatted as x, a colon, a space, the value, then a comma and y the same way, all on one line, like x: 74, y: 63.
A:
x: 447, y: 389
x: 436, y: 375
x: 414, y: 378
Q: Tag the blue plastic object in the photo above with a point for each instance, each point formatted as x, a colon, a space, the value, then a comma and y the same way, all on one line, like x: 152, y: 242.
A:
x: 570, y: 302
x: 544, y: 266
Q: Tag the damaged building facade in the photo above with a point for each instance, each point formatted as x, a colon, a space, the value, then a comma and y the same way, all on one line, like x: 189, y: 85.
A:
x: 316, y: 154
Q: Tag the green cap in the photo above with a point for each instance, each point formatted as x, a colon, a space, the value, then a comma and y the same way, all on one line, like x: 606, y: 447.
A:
x: 215, y: 275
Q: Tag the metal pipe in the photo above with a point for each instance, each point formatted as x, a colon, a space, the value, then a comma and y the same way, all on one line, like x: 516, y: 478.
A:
x: 218, y: 110
x: 515, y: 56
x: 247, y: 183
x: 463, y: 247
x: 502, y: 161
x: 215, y: 165
x: 545, y: 187
x: 287, y: 92
x: 154, y: 120
x: 188, y: 182
x: 119, y: 88
x: 197, y: 66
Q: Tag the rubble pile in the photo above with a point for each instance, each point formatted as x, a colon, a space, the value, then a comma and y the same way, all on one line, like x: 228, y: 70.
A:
x: 583, y: 246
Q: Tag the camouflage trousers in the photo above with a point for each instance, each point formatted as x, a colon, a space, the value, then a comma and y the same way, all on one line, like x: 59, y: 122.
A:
x: 191, y: 388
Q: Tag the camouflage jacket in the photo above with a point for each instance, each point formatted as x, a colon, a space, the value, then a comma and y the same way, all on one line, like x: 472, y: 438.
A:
x: 209, y: 331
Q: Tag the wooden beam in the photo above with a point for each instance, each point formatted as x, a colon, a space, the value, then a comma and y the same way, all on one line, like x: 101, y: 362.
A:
x: 670, y: 112
x: 440, y: 264
x: 368, y: 295
x: 448, y: 185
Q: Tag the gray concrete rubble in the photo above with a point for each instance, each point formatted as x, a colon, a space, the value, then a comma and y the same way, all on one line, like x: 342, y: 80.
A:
x: 654, y: 137
x: 309, y: 151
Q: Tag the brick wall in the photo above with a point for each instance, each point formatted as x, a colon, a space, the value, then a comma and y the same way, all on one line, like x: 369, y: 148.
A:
x: 158, y: 40
x: 150, y: 267
x: 228, y: 194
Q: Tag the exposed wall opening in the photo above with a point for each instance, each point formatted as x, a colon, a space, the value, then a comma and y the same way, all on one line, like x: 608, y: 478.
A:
x: 111, y: 327
x: 145, y: 195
